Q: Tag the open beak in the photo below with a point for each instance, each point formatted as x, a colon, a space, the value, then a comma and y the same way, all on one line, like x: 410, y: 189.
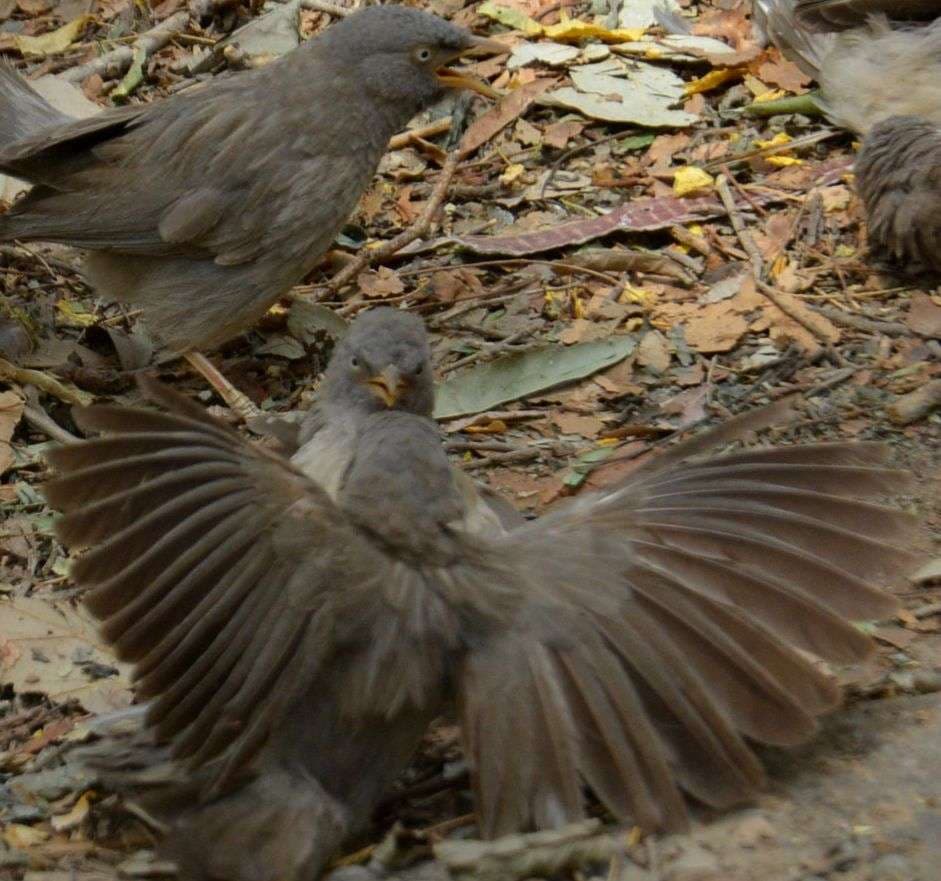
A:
x: 452, y: 79
x: 387, y: 385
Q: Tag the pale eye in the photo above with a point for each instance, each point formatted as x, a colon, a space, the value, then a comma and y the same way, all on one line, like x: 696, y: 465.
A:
x: 423, y: 55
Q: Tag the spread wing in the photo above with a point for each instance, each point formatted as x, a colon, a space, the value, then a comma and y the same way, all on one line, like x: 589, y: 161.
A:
x: 661, y: 630
x: 233, y: 583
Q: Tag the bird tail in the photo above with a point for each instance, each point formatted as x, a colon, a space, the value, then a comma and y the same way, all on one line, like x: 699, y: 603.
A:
x: 777, y: 20
x: 23, y: 111
x: 880, y: 71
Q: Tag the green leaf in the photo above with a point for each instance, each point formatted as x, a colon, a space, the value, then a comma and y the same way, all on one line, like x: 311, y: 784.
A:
x: 488, y: 385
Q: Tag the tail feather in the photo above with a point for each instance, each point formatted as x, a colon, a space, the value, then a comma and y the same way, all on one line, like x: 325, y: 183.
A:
x: 23, y: 111
x: 777, y: 19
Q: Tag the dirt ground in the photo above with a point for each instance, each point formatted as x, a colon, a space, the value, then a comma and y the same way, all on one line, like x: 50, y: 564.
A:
x: 585, y: 307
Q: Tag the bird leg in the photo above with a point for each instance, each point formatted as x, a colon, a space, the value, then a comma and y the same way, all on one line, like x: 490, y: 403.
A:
x: 236, y: 400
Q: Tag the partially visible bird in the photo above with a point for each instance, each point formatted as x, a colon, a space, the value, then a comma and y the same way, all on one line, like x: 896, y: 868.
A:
x: 878, y: 63
x: 295, y: 625
x: 204, y: 208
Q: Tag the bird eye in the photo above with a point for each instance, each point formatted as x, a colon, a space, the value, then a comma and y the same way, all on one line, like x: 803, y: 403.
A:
x: 354, y: 361
x: 423, y: 55
x: 419, y: 369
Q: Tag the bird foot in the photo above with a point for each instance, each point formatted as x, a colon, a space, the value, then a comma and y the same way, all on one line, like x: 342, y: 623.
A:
x: 237, y: 401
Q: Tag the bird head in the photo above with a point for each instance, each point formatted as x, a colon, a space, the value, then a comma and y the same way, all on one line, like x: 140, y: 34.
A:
x: 383, y: 363
x: 402, y: 54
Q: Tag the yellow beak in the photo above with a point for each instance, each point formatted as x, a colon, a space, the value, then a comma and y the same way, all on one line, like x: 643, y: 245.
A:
x: 451, y: 79
x: 388, y: 386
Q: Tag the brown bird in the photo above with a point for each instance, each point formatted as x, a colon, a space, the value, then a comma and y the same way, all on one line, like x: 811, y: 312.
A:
x: 296, y: 624
x: 204, y: 208
x: 880, y: 76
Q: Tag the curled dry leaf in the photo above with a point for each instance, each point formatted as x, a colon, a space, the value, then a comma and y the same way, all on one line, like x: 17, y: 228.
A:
x: 11, y: 411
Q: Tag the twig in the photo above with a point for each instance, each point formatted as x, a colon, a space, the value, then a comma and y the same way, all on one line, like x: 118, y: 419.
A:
x: 738, y: 224
x: 491, y: 350
x: 573, y: 151
x: 757, y: 262
x: 404, y: 139
x: 47, y: 425
x: 121, y: 57
x: 329, y: 8
x: 691, y: 240
x: 927, y: 611
x: 512, y: 457
x: 803, y: 320
x: 911, y: 407
x: 774, y: 149
x: 416, y: 230
x: 859, y: 322
x: 44, y: 382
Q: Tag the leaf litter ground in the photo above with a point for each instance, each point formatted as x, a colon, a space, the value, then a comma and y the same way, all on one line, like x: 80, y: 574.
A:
x: 635, y: 241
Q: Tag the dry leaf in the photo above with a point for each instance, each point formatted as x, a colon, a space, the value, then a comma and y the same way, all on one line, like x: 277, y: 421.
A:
x: 19, y: 837
x: 691, y: 180
x: 55, y: 41
x: 11, y: 411
x: 654, y: 351
x: 74, y: 818
x: 382, y: 282
x: 54, y: 649
x: 924, y: 316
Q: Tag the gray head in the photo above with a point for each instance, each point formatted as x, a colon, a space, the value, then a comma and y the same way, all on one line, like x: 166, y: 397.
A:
x: 401, y: 53
x: 383, y: 363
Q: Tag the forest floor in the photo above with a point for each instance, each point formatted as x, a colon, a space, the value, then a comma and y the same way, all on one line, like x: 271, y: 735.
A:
x: 631, y: 245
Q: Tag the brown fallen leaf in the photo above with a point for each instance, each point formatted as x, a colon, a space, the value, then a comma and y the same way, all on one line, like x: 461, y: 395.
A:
x: 924, y: 316
x: 654, y: 351
x: 379, y: 283
x: 509, y: 109
x: 11, y: 411
x: 54, y: 649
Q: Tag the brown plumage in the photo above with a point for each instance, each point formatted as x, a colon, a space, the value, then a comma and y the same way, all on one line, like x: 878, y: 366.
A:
x: 206, y: 207
x: 295, y: 634
x: 878, y: 63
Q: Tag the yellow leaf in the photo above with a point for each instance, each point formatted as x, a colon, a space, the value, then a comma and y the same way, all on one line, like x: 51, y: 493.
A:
x: 710, y: 81
x: 578, y: 308
x: 783, y: 161
x: 690, y: 180
x: 74, y: 818
x: 630, y: 294
x: 756, y: 86
x: 608, y: 442
x: 844, y: 251
x: 512, y: 18
x: 574, y: 30
x: 55, y: 41
x: 72, y: 316
x: 19, y: 836
x: 495, y: 426
x: 771, y: 95
x: 511, y: 173
x: 779, y: 139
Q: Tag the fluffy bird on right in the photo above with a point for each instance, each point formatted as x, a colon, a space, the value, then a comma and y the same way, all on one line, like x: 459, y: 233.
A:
x: 878, y: 63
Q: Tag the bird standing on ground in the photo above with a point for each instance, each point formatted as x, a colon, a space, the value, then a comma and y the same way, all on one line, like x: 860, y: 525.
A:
x: 295, y: 625
x: 204, y: 208
x: 878, y: 63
